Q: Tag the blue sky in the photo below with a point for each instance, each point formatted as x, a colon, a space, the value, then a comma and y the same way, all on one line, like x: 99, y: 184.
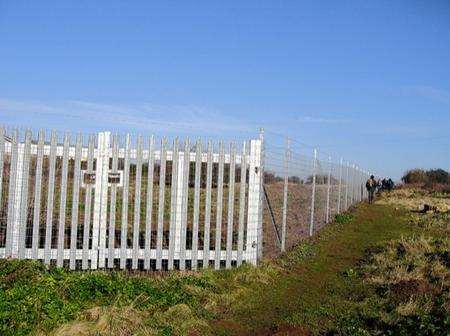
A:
x: 365, y: 80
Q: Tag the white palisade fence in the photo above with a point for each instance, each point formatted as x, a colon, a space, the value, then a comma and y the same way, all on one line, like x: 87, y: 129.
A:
x: 109, y: 202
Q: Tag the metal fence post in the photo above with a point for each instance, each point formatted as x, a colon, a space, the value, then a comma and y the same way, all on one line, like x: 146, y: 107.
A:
x: 37, y: 195
x: 231, y: 199
x: 101, y: 200
x: 353, y: 185
x: 262, y: 156
x: 184, y: 200
x: 125, y: 199
x: 75, y: 202
x: 14, y: 196
x: 175, y: 191
x: 364, y: 184
x: 285, y: 195
x: 358, y: 186
x: 86, y: 254
x: 137, y: 204
x: 149, y: 201
x: 346, y: 185
x: 161, y: 203
x: 24, y: 195
x: 327, y: 219
x: 2, y: 159
x: 313, y: 193
x: 339, y: 188
x: 207, y: 227
x: 366, y: 175
x: 254, y: 205
x: 62, y: 203
x: 242, y: 203
x: 361, y: 185
x: 180, y: 192
x: 113, y: 201
x: 196, y: 215
x: 219, y: 213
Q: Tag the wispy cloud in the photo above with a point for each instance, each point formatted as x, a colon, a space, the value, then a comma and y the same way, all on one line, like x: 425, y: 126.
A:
x: 139, y: 116
x: 406, y: 130
x: 428, y: 92
x: 322, y: 120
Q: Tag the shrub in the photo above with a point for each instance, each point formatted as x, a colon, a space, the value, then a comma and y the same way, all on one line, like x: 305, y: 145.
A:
x: 438, y: 176
x: 415, y: 176
x: 432, y: 176
x: 270, y: 177
x: 295, y: 180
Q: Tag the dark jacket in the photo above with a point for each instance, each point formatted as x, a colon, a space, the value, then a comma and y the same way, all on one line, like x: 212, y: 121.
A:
x: 371, y: 184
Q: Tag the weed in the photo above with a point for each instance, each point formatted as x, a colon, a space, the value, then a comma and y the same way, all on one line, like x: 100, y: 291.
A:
x: 343, y: 218
x: 350, y: 273
x: 297, y: 254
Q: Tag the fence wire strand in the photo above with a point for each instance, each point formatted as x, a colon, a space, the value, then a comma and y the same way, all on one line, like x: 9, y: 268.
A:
x: 178, y: 203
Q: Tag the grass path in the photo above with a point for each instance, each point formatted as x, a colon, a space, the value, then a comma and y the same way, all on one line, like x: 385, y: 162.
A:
x: 312, y: 290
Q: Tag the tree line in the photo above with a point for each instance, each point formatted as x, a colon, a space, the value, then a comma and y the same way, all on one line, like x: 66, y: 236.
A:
x: 422, y: 176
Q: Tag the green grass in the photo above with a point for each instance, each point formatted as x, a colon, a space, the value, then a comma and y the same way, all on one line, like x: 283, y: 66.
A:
x: 406, y: 290
x: 313, y: 288
x: 311, y: 292
x: 33, y: 298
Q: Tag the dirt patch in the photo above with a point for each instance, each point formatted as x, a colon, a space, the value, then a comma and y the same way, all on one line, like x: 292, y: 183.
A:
x: 405, y: 289
x: 291, y: 331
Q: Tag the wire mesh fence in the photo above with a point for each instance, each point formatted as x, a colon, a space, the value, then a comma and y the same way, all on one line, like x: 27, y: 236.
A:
x: 304, y: 191
x: 110, y: 201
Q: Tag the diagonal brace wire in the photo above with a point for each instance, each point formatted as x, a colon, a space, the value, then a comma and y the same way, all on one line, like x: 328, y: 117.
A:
x: 272, y: 216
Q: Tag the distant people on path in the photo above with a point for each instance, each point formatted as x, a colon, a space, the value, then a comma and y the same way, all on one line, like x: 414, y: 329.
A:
x: 390, y: 185
x: 371, y: 186
x: 387, y: 184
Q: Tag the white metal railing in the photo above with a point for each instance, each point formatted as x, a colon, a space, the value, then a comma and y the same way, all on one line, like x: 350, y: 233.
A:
x: 100, y: 206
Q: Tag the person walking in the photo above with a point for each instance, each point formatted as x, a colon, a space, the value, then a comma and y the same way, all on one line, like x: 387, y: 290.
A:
x: 371, y: 186
x: 390, y: 185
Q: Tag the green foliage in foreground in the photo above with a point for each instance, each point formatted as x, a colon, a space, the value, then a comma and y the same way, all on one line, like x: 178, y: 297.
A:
x: 325, y: 285
x: 33, y: 297
x: 38, y: 300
